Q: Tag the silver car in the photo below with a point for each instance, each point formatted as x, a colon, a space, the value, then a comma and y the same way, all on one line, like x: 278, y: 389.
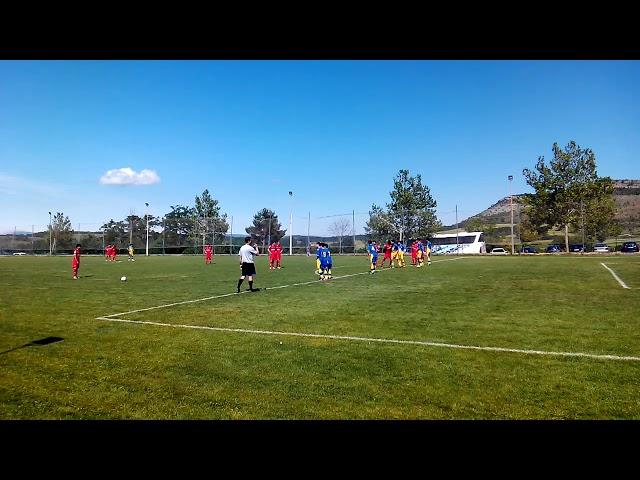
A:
x: 601, y: 248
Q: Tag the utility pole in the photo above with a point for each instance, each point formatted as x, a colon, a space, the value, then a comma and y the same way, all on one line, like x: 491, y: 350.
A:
x: 353, y: 225
x: 291, y: 226
x: 146, y: 215
x: 582, y: 215
x: 511, y: 203
x: 308, y: 229
x: 50, y: 232
x: 457, y: 242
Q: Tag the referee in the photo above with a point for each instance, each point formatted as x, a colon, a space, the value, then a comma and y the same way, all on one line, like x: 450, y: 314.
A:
x: 247, y: 252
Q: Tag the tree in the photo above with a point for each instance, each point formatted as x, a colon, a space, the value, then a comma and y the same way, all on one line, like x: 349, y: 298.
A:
x: 411, y: 212
x: 340, y: 228
x: 266, y: 227
x: 137, y: 228
x: 597, y: 213
x: 209, y: 221
x: 115, y: 232
x: 528, y: 232
x: 569, y: 190
x: 178, y: 225
x: 380, y: 225
x: 62, y: 232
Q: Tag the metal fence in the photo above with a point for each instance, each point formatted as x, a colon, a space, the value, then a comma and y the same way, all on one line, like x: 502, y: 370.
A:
x: 344, y: 233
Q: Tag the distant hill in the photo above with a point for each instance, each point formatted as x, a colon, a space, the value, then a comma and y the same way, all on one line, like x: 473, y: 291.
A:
x: 626, y: 194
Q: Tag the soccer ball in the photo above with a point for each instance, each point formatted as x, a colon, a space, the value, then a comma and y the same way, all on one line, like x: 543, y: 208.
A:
x: 124, y: 279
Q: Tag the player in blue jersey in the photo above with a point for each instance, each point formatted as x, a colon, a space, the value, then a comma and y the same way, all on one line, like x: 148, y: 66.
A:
x: 398, y: 253
x: 428, y: 250
x: 373, y: 256
x: 325, y: 262
x: 420, y: 253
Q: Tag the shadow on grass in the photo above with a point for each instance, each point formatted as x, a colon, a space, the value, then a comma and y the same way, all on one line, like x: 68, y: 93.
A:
x: 42, y: 341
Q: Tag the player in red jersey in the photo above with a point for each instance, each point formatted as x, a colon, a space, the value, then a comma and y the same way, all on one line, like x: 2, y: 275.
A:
x: 75, y: 261
x: 278, y: 255
x: 273, y: 255
x: 414, y: 252
x: 386, y: 249
x: 208, y: 253
x: 107, y: 252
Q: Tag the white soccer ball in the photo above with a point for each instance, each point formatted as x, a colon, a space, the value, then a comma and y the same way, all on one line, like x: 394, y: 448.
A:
x: 124, y: 279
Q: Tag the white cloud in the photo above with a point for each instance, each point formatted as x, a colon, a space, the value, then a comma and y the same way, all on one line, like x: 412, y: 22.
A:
x: 127, y: 176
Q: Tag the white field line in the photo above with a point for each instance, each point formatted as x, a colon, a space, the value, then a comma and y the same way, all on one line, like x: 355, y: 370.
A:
x: 382, y: 340
x: 624, y: 285
x: 235, y: 293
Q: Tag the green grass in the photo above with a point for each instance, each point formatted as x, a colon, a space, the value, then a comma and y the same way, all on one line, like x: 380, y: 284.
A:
x: 114, y: 370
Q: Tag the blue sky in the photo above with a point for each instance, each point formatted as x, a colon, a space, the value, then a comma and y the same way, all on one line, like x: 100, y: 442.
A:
x: 333, y: 132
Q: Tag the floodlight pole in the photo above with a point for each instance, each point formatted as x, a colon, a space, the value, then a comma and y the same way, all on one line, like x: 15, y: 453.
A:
x: 457, y: 241
x: 353, y: 229
x: 511, y: 203
x: 308, y: 229
x: 146, y: 214
x: 582, y: 215
x: 50, y: 231
x: 291, y: 226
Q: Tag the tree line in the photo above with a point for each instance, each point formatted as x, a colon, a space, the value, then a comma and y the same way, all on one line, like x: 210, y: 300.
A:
x: 568, y: 194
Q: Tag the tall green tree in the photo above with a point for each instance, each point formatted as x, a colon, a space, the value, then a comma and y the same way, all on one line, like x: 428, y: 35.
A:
x: 410, y: 214
x: 137, y: 229
x: 567, y: 188
x: 179, y: 225
x: 62, y: 232
x: 265, y: 227
x: 210, y: 223
x: 115, y: 233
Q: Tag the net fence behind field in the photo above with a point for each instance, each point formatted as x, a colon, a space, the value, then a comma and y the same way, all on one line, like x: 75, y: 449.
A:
x: 344, y: 232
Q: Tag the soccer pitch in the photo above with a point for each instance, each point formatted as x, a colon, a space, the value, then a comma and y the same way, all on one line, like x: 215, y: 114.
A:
x: 534, y: 337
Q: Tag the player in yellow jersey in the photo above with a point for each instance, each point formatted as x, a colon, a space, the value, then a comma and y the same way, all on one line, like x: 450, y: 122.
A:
x: 318, y: 251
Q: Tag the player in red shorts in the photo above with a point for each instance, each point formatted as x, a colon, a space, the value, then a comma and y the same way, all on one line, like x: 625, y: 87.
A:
x: 414, y: 252
x: 75, y: 261
x: 273, y: 255
x: 208, y: 253
x: 107, y: 252
x: 278, y: 255
x: 386, y: 249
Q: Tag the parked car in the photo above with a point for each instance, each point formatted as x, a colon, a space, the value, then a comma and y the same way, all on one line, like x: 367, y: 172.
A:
x: 577, y: 248
x: 499, y: 251
x: 601, y: 248
x: 630, y: 247
x: 553, y: 249
x: 19, y: 253
x: 528, y: 250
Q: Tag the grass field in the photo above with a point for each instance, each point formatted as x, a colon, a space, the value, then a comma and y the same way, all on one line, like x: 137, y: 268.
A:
x: 244, y: 356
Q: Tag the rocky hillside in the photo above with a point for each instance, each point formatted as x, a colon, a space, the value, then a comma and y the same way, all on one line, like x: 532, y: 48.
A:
x: 626, y: 195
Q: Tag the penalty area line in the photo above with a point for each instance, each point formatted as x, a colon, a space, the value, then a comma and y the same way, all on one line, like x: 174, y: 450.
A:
x: 381, y: 340
x: 246, y: 291
x: 624, y: 285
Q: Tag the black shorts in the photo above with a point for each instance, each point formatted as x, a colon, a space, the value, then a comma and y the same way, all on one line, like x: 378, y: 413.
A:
x: 248, y: 269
